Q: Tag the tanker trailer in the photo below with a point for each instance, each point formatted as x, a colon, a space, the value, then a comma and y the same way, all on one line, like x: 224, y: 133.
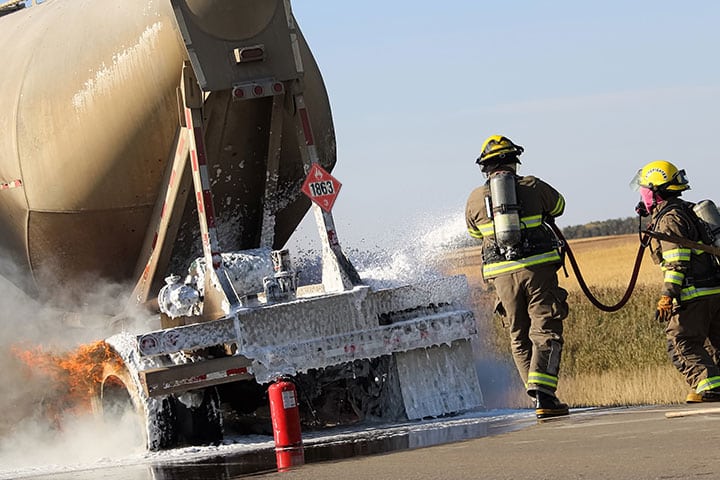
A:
x: 175, y: 145
x: 90, y: 114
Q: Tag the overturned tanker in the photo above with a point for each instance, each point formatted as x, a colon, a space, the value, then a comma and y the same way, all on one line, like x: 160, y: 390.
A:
x: 169, y: 144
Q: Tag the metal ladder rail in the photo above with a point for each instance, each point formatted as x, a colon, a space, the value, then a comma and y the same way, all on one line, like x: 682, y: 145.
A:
x: 219, y: 294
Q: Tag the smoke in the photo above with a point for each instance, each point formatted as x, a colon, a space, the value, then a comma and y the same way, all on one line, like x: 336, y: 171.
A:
x: 82, y: 440
x: 34, y: 428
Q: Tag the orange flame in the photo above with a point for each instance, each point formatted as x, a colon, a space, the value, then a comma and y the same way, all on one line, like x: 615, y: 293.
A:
x: 73, y: 379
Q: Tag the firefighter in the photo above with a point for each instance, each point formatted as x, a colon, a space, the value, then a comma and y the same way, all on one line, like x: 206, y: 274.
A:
x: 520, y: 260
x: 689, y: 301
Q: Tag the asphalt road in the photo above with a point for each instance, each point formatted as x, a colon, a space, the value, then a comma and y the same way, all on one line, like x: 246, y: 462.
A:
x: 673, y: 442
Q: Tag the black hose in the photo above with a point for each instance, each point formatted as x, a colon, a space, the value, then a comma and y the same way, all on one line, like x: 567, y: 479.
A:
x: 633, y: 279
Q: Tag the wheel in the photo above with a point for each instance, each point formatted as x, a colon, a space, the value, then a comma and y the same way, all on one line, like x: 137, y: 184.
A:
x: 120, y: 392
x: 198, y: 419
x: 192, y: 418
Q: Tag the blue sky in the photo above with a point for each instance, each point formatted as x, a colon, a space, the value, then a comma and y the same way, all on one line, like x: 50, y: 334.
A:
x: 592, y: 90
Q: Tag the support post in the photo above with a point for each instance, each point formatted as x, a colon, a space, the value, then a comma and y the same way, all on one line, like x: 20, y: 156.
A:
x: 220, y: 296
x: 338, y: 273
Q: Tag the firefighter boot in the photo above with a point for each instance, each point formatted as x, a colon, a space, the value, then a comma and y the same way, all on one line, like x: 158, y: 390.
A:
x: 693, y: 397
x: 712, y: 395
x: 547, y: 406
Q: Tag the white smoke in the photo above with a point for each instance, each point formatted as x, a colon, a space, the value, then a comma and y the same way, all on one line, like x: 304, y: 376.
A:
x: 83, y: 440
x: 30, y: 434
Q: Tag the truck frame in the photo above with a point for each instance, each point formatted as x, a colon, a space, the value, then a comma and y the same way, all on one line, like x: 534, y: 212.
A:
x: 233, y: 322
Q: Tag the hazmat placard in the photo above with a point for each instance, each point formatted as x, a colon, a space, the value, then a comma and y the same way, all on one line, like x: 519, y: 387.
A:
x: 321, y: 187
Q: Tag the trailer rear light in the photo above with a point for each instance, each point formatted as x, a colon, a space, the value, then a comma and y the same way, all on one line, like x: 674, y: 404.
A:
x: 238, y: 92
x: 255, y: 53
x: 260, y: 88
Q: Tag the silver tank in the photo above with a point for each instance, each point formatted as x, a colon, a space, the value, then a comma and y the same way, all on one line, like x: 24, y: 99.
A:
x: 89, y: 115
x: 505, y: 209
x: 708, y: 212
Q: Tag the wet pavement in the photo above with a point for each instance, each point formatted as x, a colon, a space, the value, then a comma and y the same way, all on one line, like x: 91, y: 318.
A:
x: 256, y: 456
x: 665, y: 442
x: 672, y: 442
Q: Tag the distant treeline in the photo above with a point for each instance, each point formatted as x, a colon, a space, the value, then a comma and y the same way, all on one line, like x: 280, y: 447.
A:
x: 616, y: 226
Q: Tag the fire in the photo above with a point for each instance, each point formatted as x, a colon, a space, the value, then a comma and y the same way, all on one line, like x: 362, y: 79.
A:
x: 73, y: 378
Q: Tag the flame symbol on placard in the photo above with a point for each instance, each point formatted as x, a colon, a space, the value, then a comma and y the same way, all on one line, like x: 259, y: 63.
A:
x: 318, y: 173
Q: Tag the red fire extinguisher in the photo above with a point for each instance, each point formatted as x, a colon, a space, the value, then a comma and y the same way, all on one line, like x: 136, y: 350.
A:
x: 285, y: 414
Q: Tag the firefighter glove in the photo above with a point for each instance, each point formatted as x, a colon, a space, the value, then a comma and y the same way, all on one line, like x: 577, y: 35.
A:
x: 664, y: 309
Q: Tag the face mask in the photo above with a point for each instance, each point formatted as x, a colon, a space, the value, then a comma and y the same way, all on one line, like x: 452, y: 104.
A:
x: 649, y: 198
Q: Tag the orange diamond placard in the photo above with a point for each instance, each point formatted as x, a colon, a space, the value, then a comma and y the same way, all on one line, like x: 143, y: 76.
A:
x: 321, y: 187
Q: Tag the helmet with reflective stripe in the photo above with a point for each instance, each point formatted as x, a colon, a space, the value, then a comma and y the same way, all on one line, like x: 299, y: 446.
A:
x: 661, y: 176
x: 498, y: 150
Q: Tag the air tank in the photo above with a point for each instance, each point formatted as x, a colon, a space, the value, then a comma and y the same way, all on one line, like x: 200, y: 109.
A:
x: 89, y: 116
x: 506, y: 212
x: 708, y: 212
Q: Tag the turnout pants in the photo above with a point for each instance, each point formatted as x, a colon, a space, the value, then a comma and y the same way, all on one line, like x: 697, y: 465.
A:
x: 534, y: 306
x: 693, y: 337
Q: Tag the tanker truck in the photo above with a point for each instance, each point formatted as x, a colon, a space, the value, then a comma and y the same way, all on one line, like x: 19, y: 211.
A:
x: 174, y: 146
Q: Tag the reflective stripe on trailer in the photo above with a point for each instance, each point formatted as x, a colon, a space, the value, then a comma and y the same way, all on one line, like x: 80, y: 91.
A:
x: 181, y: 378
x: 212, y: 376
x: 13, y: 184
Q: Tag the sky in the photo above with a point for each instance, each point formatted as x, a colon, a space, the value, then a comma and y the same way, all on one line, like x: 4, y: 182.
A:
x: 591, y: 90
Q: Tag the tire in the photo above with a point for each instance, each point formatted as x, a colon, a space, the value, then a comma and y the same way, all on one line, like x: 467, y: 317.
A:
x: 121, y: 391
x: 165, y: 421
x: 201, y: 424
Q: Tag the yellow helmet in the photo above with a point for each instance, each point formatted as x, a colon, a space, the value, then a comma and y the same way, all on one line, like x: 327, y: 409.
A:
x: 661, y: 176
x: 498, y: 149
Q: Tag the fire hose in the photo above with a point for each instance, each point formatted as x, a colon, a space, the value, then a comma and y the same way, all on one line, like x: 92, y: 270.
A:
x: 644, y: 242
x: 565, y: 248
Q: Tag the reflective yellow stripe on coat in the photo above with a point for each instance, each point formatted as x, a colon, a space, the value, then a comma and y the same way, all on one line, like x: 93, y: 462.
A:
x: 688, y: 293
x: 677, y: 255
x: 559, y: 207
x: 488, y: 229
x: 671, y: 276
x: 498, y: 268
x: 707, y: 384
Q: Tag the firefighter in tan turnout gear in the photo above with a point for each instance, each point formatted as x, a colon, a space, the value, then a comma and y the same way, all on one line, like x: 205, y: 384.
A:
x: 521, y: 259
x: 690, y: 298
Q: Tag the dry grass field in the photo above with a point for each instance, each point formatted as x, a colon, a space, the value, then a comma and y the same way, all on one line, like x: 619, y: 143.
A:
x: 608, y: 262
x: 609, y: 359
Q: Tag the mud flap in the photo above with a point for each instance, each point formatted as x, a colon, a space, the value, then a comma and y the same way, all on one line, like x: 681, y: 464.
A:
x: 439, y: 380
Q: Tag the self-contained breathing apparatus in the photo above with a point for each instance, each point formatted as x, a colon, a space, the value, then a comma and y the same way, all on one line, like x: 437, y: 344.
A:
x: 707, y: 211
x: 706, y: 217
x: 503, y: 208
x: 511, y: 240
